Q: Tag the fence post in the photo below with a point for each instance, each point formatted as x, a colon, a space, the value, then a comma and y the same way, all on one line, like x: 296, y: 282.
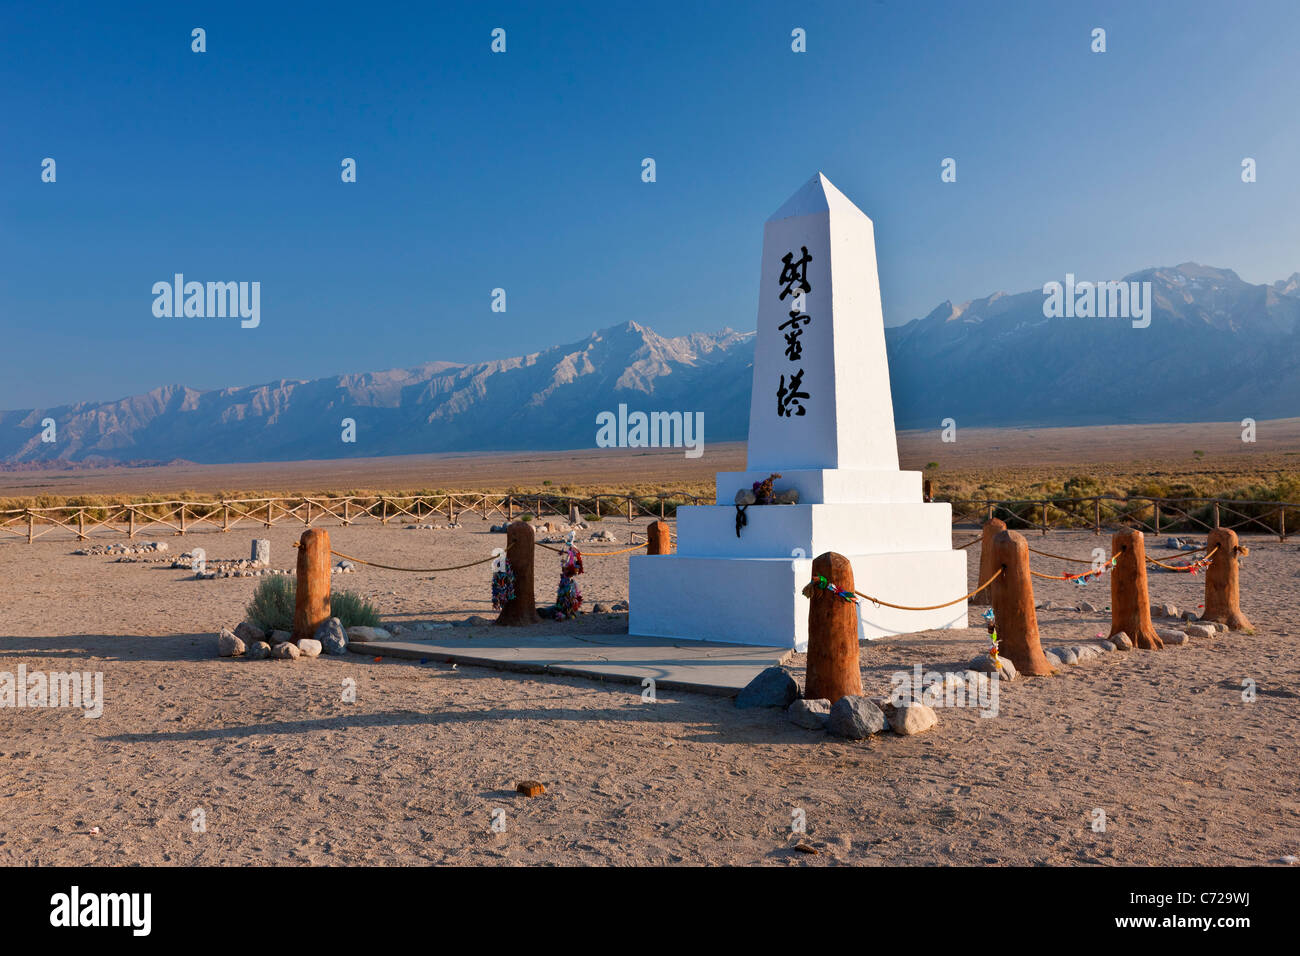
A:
x: 1156, y: 505
x: 1013, y: 606
x: 1130, y: 602
x: 1281, y: 524
x: 988, y: 560
x: 81, y: 525
x: 1216, y: 513
x: 31, y: 522
x: 383, y: 510
x: 520, y: 548
x: 311, y: 599
x: 1222, y: 582
x: 130, y: 522
x: 659, y: 538
x: 182, y: 518
x: 1096, y: 515
x: 308, y: 521
x: 225, y: 515
x: 1044, y: 517
x: 834, y: 670
x: 629, y: 509
x: 927, y: 490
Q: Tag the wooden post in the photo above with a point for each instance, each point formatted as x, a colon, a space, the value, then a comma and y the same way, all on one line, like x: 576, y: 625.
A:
x: 1130, y: 604
x: 81, y: 525
x: 1044, y: 517
x: 182, y: 518
x: 520, y: 548
x: 834, y: 670
x: 597, y: 499
x: 510, y: 508
x: 346, y: 519
x: 659, y: 538
x: 383, y: 510
x: 1013, y: 606
x: 1216, y: 512
x: 988, y: 560
x: 308, y: 521
x: 31, y: 526
x: 1222, y: 583
x: 225, y: 515
x: 1096, y: 516
x: 130, y: 522
x: 629, y: 509
x: 311, y: 606
x: 927, y: 490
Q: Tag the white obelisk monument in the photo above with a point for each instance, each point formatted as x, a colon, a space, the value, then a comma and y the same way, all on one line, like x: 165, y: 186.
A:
x: 822, y: 416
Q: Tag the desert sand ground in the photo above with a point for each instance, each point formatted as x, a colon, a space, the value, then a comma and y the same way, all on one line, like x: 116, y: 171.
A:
x: 286, y: 772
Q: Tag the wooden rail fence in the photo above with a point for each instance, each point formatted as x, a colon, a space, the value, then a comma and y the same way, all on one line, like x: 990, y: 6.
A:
x: 1097, y: 513
x: 1137, y: 512
x: 179, y: 517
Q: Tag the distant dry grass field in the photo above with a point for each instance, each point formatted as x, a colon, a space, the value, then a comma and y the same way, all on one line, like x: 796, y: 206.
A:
x: 1204, y: 459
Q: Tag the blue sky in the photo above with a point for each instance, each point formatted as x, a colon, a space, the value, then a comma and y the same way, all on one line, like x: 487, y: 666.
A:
x: 522, y: 170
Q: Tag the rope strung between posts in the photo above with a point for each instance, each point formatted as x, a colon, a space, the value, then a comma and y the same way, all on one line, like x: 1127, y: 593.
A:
x: 1082, y: 577
x: 1189, y: 568
x: 594, y: 554
x: 415, y: 570
x: 1061, y: 557
x: 962, y: 547
x: 472, y: 564
x: 1191, y: 550
x: 852, y: 596
x: 389, y: 567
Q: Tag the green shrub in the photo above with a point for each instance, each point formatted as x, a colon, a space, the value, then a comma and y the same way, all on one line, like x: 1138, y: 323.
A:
x: 272, y: 606
x: 353, y: 610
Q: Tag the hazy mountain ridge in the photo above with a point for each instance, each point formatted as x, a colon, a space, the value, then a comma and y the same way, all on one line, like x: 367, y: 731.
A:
x: 544, y: 399
x: 1217, y: 348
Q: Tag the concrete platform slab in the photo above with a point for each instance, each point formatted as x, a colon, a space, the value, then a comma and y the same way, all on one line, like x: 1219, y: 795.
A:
x: 699, y: 666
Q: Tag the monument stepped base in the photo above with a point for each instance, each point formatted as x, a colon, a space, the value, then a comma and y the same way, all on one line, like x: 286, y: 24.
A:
x: 760, y: 601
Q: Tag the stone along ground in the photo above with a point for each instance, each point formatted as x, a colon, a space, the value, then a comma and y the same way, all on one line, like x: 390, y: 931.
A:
x: 286, y: 772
